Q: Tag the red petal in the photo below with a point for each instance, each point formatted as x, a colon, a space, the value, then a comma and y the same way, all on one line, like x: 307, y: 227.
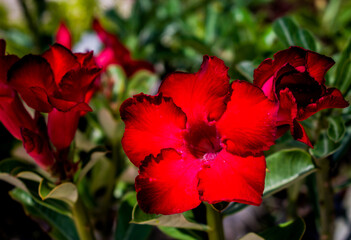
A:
x: 317, y: 65
x: 151, y: 124
x: 168, y: 184
x: 75, y: 84
x: 106, y: 57
x: 33, y: 79
x: 61, y: 60
x: 200, y: 95
x: 248, y: 125
x: 86, y: 59
x: 62, y: 126
x: 2, y: 47
x: 299, y: 134
x: 233, y: 178
x: 295, y: 56
x: 63, y: 36
x: 37, y: 147
x: 14, y: 116
x: 65, y: 106
x: 287, y: 108
x: 332, y: 99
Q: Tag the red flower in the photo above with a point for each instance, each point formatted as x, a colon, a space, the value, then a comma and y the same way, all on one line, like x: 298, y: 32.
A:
x: 56, y: 82
x: 63, y: 36
x: 116, y: 53
x: 199, y: 139
x: 295, y: 79
x: 16, y: 118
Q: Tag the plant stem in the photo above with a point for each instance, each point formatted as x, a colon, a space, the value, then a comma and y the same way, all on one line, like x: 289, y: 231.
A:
x: 325, y: 199
x: 82, y: 221
x: 215, y: 222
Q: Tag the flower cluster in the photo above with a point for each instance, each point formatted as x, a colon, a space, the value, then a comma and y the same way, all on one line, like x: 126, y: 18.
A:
x: 57, y: 82
x: 202, y: 139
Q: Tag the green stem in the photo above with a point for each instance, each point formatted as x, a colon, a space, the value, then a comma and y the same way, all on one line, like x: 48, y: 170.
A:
x: 82, y: 221
x: 215, y: 222
x: 325, y: 199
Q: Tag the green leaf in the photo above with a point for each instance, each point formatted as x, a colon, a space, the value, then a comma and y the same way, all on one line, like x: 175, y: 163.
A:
x: 291, y: 35
x: 252, y: 236
x: 14, y: 181
x: 286, y: 167
x: 142, y: 81
x: 61, y: 226
x: 176, y: 233
x: 119, y: 79
x: 125, y: 230
x: 342, y: 77
x: 175, y: 220
x: 246, y: 68
x: 292, y: 230
x: 336, y: 128
x: 324, y: 146
x: 66, y: 192
x: 285, y: 28
x: 13, y: 166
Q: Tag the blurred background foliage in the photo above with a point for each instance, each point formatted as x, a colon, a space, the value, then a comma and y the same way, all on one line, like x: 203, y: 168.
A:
x: 174, y: 35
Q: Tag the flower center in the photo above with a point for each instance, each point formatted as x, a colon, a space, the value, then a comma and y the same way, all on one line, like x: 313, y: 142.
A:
x: 203, y: 140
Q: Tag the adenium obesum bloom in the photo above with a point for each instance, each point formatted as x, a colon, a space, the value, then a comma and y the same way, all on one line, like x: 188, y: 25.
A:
x: 56, y: 82
x: 17, y: 120
x: 115, y: 52
x: 199, y: 139
x: 63, y: 36
x: 295, y: 80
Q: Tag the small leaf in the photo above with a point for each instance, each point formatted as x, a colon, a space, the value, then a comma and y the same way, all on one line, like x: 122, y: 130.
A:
x: 292, y: 230
x: 251, y: 236
x: 66, y: 192
x: 176, y: 233
x: 324, y: 146
x: 142, y: 81
x: 286, y: 167
x: 30, y: 176
x: 175, y: 220
x: 12, y: 166
x: 14, y: 181
x: 118, y: 78
x: 336, y: 128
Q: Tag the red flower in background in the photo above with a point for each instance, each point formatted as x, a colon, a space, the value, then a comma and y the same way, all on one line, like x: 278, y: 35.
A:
x: 199, y: 139
x: 63, y: 36
x: 295, y: 79
x: 17, y: 120
x: 56, y: 82
x: 116, y: 53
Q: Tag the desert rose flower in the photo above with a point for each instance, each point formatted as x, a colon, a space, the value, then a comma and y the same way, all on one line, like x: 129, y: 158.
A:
x: 63, y: 36
x: 295, y: 79
x: 17, y: 120
x: 199, y: 139
x: 56, y: 82
x: 115, y: 52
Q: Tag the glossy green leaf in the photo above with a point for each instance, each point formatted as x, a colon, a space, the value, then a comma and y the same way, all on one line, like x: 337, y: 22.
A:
x: 285, y: 28
x: 126, y: 230
x: 286, y: 167
x: 175, y: 220
x: 142, y: 81
x: 66, y: 192
x: 304, y: 38
x: 13, y: 166
x: 61, y: 226
x: 324, y: 146
x: 292, y: 230
x: 177, y: 233
x: 343, y: 75
x: 118, y: 78
x: 336, y: 128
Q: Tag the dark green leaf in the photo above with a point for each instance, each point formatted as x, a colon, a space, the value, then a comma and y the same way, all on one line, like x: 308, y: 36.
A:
x: 62, y: 227
x: 342, y: 77
x: 292, y: 230
x: 285, y: 28
x: 324, y: 146
x: 304, y: 38
x: 336, y: 128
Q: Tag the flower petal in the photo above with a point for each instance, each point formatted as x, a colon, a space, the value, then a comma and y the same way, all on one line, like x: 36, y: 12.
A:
x: 33, y: 79
x: 2, y: 47
x: 6, y: 62
x: 332, y: 99
x: 248, y: 125
x: 317, y: 65
x: 299, y: 133
x: 62, y: 126
x: 63, y: 36
x: 38, y: 148
x: 168, y: 183
x: 287, y: 108
x: 151, y: 124
x: 61, y: 60
x: 233, y: 178
x: 202, y: 95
